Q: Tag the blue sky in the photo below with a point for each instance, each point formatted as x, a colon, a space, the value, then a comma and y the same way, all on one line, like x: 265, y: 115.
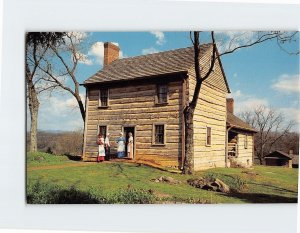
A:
x: 261, y: 74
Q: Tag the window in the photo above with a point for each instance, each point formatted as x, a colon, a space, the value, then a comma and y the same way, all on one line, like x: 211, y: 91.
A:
x: 159, y: 134
x: 103, y: 98
x: 246, y: 141
x: 208, y: 136
x: 102, y: 130
x: 162, y: 94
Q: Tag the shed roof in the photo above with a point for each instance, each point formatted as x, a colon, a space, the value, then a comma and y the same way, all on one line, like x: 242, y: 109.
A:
x: 278, y: 153
x: 150, y: 65
x: 235, y: 122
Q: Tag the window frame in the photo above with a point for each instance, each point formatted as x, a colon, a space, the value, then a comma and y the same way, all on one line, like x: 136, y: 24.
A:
x: 246, y: 142
x: 157, y: 93
x: 106, y: 129
x: 99, y: 98
x: 154, y: 134
x: 210, y: 143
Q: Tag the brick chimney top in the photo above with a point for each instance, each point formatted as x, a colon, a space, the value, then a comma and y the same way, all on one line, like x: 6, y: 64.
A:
x: 230, y: 105
x: 111, y: 53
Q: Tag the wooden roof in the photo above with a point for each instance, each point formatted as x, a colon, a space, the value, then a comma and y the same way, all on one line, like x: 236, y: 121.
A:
x: 150, y: 65
x: 235, y: 122
x: 279, y: 154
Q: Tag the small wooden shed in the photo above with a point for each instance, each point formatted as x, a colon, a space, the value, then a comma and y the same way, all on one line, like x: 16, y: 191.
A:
x: 279, y: 158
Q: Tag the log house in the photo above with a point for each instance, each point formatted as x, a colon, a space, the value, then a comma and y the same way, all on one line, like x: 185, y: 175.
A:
x: 146, y: 95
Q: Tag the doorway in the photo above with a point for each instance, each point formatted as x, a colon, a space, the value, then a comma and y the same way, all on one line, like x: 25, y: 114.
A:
x: 127, y: 130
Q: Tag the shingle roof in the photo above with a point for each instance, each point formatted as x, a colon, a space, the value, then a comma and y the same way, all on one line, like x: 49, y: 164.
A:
x: 172, y: 61
x: 236, y: 122
x: 272, y: 154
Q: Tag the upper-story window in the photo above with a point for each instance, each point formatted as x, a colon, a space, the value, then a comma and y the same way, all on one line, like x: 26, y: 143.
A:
x: 162, y: 94
x: 208, y: 136
x: 103, y: 98
x: 246, y: 142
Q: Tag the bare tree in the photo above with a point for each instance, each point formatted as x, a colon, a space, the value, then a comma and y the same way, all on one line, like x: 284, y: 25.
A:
x: 232, y: 44
x: 61, y: 67
x: 271, y: 128
x: 36, y: 46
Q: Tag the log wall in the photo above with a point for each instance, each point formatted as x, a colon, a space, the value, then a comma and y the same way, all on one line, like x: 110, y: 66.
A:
x: 134, y: 105
x: 210, y: 112
x: 245, y: 155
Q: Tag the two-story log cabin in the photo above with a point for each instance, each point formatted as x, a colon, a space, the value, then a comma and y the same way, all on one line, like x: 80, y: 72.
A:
x: 146, y: 95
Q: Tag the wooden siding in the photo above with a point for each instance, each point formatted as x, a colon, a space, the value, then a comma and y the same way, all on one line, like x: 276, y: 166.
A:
x: 134, y: 105
x: 245, y: 155
x: 210, y: 112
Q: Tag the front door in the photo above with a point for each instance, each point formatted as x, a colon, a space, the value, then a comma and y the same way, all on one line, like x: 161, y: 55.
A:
x: 128, y: 130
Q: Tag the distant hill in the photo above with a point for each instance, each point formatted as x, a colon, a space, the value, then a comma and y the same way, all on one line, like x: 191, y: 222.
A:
x: 54, y: 131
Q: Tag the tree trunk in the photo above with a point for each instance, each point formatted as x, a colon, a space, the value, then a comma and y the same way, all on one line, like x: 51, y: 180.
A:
x: 260, y: 160
x: 81, y: 106
x: 188, y: 166
x: 33, y: 104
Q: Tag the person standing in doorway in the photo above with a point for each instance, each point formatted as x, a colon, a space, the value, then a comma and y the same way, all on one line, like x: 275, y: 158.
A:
x: 121, y: 146
x: 130, y: 146
x: 107, y: 147
x: 101, y: 150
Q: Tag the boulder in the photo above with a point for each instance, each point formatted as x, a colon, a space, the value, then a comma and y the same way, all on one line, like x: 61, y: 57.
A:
x: 224, y: 188
x: 216, y: 185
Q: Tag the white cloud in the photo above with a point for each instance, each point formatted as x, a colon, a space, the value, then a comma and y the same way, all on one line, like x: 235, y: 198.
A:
x: 59, y: 112
x: 292, y: 113
x: 83, y: 58
x: 97, y: 52
x: 287, y: 83
x: 249, y: 104
x: 228, y: 40
x: 237, y: 93
x: 77, y: 37
x: 245, y: 102
x: 149, y: 51
x: 160, y: 37
x: 235, y: 75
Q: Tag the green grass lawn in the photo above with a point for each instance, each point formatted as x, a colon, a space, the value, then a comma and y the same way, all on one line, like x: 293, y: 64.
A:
x: 111, y: 179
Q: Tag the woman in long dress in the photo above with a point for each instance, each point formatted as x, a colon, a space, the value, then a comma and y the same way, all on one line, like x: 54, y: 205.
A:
x: 107, y: 147
x: 101, y: 150
x: 130, y: 146
x: 121, y: 146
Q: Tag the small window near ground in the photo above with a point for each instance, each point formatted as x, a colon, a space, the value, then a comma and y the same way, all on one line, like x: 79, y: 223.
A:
x: 208, y: 136
x: 103, y: 98
x: 159, y: 134
x: 102, y: 130
x: 162, y: 94
x: 246, y: 142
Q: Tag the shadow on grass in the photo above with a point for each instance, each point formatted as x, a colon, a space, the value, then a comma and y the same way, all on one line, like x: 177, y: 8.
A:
x: 73, y: 157
x: 262, y: 198
x: 274, y: 187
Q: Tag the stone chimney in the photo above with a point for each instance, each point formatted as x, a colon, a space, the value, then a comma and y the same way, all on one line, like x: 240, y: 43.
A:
x: 230, y: 105
x: 291, y: 152
x: 111, y: 53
